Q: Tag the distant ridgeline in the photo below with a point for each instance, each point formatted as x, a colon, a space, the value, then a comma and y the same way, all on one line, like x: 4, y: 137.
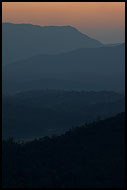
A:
x: 89, y: 156
x: 21, y: 41
x: 59, y: 57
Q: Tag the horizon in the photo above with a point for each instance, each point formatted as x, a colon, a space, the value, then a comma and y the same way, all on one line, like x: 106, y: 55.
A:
x: 104, y: 21
x: 122, y: 42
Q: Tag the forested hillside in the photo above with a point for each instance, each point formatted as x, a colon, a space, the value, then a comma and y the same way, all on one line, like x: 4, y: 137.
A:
x: 88, y: 156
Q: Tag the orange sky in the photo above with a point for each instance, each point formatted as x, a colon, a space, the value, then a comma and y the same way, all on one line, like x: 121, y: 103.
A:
x: 103, y: 21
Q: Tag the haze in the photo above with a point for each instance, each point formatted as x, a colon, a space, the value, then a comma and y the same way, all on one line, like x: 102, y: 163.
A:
x: 103, y: 21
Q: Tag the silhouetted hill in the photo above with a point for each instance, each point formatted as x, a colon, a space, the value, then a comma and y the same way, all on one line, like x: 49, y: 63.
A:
x: 38, y: 113
x: 89, y: 156
x: 25, y: 40
x: 88, y: 69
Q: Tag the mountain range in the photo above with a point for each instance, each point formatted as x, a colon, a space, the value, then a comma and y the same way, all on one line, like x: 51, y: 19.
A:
x: 20, y: 41
x: 38, y: 113
x: 83, y: 69
x: 61, y: 93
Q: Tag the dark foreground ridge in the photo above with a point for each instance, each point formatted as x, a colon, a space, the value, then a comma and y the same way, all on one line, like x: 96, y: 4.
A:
x: 87, y: 156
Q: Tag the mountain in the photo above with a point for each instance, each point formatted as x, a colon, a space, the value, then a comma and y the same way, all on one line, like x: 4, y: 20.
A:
x: 20, y: 41
x: 83, y: 69
x: 31, y: 114
x: 89, y: 156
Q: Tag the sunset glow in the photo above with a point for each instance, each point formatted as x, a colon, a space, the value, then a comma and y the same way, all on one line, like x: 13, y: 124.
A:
x: 103, y: 21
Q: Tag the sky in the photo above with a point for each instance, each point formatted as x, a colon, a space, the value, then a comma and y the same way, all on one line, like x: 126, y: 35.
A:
x: 104, y: 21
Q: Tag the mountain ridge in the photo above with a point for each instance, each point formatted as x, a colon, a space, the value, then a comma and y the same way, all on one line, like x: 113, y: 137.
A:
x: 78, y: 65
x: 36, y: 112
x: 24, y: 40
x: 92, y: 155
